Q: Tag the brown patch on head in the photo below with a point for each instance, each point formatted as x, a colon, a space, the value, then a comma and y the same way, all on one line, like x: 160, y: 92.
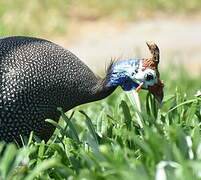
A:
x: 149, y: 63
x: 152, y: 63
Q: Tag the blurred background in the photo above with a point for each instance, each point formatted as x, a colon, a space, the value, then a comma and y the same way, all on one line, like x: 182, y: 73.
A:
x: 100, y: 30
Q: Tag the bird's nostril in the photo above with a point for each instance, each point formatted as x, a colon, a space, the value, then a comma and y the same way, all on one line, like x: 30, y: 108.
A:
x: 149, y: 77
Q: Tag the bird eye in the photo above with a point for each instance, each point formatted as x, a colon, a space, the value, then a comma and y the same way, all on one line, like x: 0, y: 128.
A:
x: 149, y: 77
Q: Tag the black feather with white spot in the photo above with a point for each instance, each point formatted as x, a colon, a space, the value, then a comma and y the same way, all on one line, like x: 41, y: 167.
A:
x: 36, y: 77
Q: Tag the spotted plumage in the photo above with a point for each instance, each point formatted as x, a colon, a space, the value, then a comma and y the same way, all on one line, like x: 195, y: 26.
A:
x: 36, y: 77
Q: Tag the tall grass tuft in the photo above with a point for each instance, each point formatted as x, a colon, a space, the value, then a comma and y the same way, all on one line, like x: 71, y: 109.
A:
x: 104, y: 140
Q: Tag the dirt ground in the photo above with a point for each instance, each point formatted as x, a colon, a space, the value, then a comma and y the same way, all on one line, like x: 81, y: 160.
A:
x: 179, y: 40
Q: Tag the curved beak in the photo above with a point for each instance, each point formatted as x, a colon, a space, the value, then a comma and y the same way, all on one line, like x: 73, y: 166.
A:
x: 157, y: 91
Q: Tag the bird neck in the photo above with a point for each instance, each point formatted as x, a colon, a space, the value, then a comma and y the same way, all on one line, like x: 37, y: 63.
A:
x: 94, y: 91
x: 101, y: 90
x: 119, y: 74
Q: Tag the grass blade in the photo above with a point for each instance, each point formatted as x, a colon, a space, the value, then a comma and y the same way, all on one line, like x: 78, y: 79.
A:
x: 90, y: 126
x: 127, y: 114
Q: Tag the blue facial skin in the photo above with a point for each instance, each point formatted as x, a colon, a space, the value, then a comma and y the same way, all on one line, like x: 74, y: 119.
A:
x: 121, y: 74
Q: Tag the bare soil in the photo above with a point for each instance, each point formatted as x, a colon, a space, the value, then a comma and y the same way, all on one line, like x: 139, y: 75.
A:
x: 179, y: 40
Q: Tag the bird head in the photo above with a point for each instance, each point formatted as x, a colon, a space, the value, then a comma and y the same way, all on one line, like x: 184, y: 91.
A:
x: 138, y: 73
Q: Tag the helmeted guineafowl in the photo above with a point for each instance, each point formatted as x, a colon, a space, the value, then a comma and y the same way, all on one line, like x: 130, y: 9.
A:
x: 37, y: 76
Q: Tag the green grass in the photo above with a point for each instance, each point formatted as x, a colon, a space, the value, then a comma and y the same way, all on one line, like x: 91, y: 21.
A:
x: 103, y: 140
x: 47, y: 18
